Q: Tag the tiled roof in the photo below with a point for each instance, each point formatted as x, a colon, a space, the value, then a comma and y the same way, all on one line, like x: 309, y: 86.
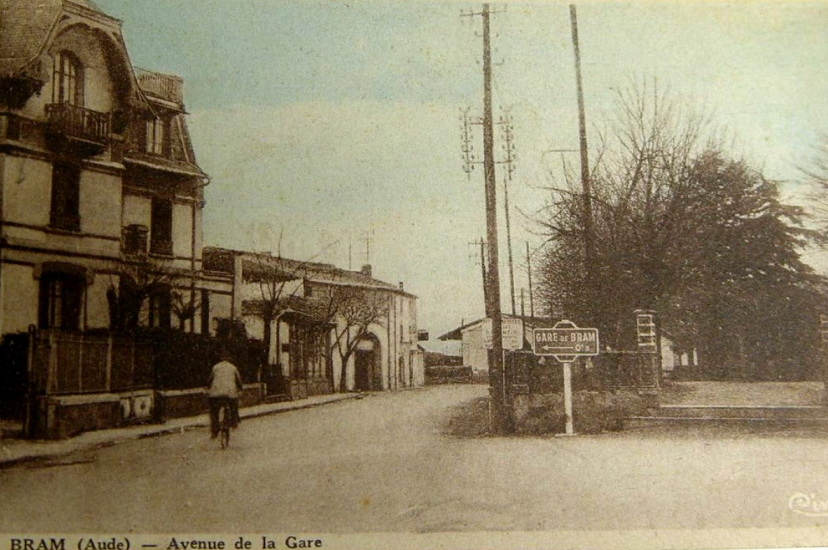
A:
x: 170, y: 165
x: 26, y: 25
x: 531, y: 322
x: 315, y: 272
x: 291, y: 308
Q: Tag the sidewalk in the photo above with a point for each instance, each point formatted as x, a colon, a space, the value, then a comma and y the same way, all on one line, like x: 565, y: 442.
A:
x: 15, y: 451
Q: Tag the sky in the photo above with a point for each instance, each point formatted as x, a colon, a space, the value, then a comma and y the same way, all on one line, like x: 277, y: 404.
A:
x: 322, y: 123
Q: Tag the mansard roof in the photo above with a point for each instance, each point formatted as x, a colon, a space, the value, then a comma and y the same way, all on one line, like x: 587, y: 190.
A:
x: 28, y: 25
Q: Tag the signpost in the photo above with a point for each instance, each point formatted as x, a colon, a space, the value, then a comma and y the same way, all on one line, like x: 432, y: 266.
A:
x: 566, y: 342
x: 512, y: 330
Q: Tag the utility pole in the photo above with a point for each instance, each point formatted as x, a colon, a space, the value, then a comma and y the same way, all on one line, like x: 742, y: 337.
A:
x: 497, y: 386
x: 589, y: 252
x: 529, y: 274
x: 482, y: 244
x: 522, y: 310
x: 368, y: 247
x: 506, y: 123
x: 509, y: 244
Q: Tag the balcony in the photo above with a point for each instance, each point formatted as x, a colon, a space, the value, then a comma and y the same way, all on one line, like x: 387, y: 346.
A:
x: 134, y: 240
x: 82, y: 130
x: 160, y: 85
x: 162, y: 247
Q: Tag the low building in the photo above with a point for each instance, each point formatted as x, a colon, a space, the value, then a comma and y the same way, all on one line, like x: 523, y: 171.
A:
x: 472, y: 335
x: 325, y: 328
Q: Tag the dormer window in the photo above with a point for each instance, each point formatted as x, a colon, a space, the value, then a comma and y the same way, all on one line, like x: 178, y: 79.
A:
x: 156, y: 135
x: 68, y: 81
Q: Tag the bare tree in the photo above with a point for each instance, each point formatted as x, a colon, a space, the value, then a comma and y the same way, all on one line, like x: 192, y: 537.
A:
x: 681, y: 228
x: 184, y: 306
x: 138, y: 278
x: 641, y: 198
x: 816, y: 177
x: 351, y: 310
x: 272, y: 275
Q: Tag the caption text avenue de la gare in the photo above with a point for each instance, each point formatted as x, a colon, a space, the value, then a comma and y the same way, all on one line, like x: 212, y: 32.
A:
x: 258, y: 542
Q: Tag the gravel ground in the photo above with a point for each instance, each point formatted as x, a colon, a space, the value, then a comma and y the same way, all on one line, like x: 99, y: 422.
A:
x: 416, y: 461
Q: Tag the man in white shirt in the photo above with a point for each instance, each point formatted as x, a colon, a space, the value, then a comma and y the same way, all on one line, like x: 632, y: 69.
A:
x: 224, y: 387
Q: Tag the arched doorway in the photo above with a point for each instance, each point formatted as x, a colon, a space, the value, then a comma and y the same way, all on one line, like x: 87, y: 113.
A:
x: 366, y: 364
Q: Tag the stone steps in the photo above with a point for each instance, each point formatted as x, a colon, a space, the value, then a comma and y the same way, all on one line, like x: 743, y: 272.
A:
x: 794, y: 415
x: 723, y: 411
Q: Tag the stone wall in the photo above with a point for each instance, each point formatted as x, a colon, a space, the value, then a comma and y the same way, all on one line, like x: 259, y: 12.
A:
x: 536, y: 402
x: 56, y: 417
x: 593, y: 411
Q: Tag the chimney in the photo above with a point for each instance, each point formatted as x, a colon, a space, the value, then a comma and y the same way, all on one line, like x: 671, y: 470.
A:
x: 401, y: 286
x: 366, y: 270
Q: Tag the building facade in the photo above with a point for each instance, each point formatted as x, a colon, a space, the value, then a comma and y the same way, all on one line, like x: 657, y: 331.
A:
x: 101, y: 196
x: 325, y: 329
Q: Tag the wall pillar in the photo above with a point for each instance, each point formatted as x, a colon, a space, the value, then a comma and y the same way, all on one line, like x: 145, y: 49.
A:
x: 649, y: 363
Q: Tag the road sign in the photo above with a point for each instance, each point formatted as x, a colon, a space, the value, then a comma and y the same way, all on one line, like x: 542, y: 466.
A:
x: 565, y: 341
x: 511, y: 329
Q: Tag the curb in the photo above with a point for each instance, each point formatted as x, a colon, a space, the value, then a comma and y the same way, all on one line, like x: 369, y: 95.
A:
x: 161, y: 431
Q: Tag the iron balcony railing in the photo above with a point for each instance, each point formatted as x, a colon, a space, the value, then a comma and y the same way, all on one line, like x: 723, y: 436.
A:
x: 134, y: 239
x: 78, y: 122
x: 162, y: 247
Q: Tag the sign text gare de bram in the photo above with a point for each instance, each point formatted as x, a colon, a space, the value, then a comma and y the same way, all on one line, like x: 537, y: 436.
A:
x: 566, y: 341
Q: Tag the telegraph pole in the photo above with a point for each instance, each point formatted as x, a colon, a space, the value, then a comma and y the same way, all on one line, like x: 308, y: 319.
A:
x: 497, y: 386
x: 529, y: 274
x: 589, y: 252
x: 522, y: 310
x: 509, y: 244
x: 482, y: 244
x: 506, y: 123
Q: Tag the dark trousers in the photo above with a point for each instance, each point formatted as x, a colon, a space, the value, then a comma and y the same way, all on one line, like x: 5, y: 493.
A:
x: 215, y: 405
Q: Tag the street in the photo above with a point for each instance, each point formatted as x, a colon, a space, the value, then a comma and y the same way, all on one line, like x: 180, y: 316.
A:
x: 411, y: 461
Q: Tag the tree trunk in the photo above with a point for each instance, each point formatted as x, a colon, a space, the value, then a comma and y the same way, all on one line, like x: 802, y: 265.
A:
x: 266, y: 340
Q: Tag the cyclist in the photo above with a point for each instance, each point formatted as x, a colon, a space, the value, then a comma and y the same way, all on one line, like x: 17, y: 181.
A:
x: 224, y: 387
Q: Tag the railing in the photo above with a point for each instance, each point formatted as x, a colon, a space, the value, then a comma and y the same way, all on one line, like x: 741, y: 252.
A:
x: 161, y: 246
x: 134, y: 239
x: 165, y: 86
x: 78, y: 122
x: 71, y: 363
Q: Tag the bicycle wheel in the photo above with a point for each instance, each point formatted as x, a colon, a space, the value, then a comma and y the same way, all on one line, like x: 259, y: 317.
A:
x: 224, y: 426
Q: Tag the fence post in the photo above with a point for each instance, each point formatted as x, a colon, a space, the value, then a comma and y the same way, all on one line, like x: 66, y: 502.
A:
x: 51, y: 383
x: 80, y: 363
x: 31, y: 389
x: 109, y: 346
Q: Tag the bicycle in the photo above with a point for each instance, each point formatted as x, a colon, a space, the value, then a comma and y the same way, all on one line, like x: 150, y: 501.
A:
x: 224, y: 425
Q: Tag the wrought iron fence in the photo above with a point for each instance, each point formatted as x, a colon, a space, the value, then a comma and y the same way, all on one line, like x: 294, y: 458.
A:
x: 75, y: 362
x: 78, y: 122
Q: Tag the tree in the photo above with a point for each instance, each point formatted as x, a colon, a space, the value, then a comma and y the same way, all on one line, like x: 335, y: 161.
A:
x: 816, y: 177
x: 351, y: 311
x: 184, y: 306
x: 272, y: 277
x: 641, y: 198
x: 683, y: 229
x: 137, y: 279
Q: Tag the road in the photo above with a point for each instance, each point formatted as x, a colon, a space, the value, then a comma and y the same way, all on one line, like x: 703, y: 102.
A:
x: 406, y: 462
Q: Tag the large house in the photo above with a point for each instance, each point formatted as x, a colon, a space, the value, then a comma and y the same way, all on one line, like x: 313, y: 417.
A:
x: 325, y: 328
x: 101, y: 196
x: 101, y: 204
